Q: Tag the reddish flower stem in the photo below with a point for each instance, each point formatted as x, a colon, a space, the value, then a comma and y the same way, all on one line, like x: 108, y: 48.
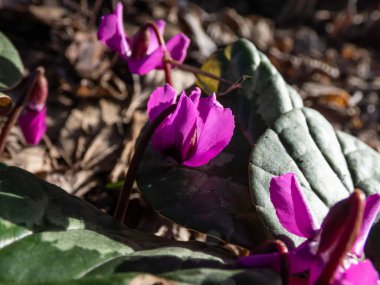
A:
x: 347, y: 239
x: 279, y: 247
x: 283, y: 251
x: 122, y: 204
x: 19, y: 106
x: 166, y: 57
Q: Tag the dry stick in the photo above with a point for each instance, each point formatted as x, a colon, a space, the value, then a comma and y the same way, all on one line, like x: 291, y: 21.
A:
x: 122, y: 203
x: 195, y: 70
x: 16, y: 111
x: 166, y: 57
x: 95, y: 11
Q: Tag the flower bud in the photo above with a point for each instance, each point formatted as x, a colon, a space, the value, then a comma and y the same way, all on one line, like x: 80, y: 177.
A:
x: 39, y: 92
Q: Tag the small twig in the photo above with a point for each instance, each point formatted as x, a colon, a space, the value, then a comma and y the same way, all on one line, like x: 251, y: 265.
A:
x: 95, y: 10
x: 234, y: 86
x: 16, y: 111
x: 166, y: 57
x: 195, y: 70
x: 122, y: 203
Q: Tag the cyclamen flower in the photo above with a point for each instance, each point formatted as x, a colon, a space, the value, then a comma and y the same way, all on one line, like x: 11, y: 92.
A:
x: 196, y: 131
x: 142, y: 51
x: 322, y: 242
x: 32, y: 121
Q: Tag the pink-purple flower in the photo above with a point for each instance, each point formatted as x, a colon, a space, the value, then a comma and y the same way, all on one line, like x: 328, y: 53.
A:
x: 198, y: 129
x: 142, y: 52
x: 32, y: 121
x: 316, y: 255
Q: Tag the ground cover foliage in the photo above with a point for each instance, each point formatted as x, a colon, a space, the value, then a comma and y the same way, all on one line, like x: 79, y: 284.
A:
x: 304, y: 100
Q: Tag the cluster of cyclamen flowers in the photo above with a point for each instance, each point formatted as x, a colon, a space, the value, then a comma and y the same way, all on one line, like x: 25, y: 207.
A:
x: 200, y: 128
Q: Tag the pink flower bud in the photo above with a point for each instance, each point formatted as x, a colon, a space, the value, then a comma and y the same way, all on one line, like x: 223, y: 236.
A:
x: 39, y: 92
x: 32, y: 121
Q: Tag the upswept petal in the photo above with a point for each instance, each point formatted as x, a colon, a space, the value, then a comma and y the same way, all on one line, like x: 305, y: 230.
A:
x: 291, y: 206
x: 372, y: 207
x: 111, y: 32
x: 195, y: 96
x: 33, y: 125
x: 362, y: 273
x: 161, y: 98
x: 153, y: 41
x: 177, y: 46
x: 268, y: 260
x: 143, y: 65
x: 215, y: 127
x: 174, y: 135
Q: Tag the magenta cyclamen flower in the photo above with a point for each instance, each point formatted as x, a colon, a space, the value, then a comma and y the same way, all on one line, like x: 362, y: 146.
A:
x: 142, y: 51
x: 316, y: 254
x: 196, y: 131
x: 32, y: 121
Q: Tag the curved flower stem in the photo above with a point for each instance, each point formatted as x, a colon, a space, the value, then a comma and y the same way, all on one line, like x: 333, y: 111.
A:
x: 122, y: 203
x: 356, y: 204
x: 283, y: 251
x: 16, y: 111
x: 166, y: 57
x: 279, y: 247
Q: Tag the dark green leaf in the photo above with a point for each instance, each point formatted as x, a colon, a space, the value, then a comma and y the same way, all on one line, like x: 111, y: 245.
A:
x: 215, y: 198
x: 11, y: 67
x: 181, y: 277
x: 47, y: 235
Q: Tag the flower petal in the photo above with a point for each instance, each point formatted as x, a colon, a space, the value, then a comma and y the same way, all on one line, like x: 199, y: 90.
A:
x: 177, y: 47
x: 210, y: 139
x: 153, y: 41
x: 161, y: 98
x: 301, y: 258
x: 362, y: 273
x: 143, y: 65
x: 316, y: 269
x: 111, y: 32
x: 174, y: 135
x: 195, y: 96
x: 291, y: 206
x: 372, y: 207
x: 269, y: 260
x: 33, y: 125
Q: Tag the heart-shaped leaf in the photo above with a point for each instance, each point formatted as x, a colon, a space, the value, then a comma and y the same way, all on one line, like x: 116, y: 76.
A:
x: 11, y: 67
x: 47, y: 235
x: 328, y: 165
x: 215, y: 198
